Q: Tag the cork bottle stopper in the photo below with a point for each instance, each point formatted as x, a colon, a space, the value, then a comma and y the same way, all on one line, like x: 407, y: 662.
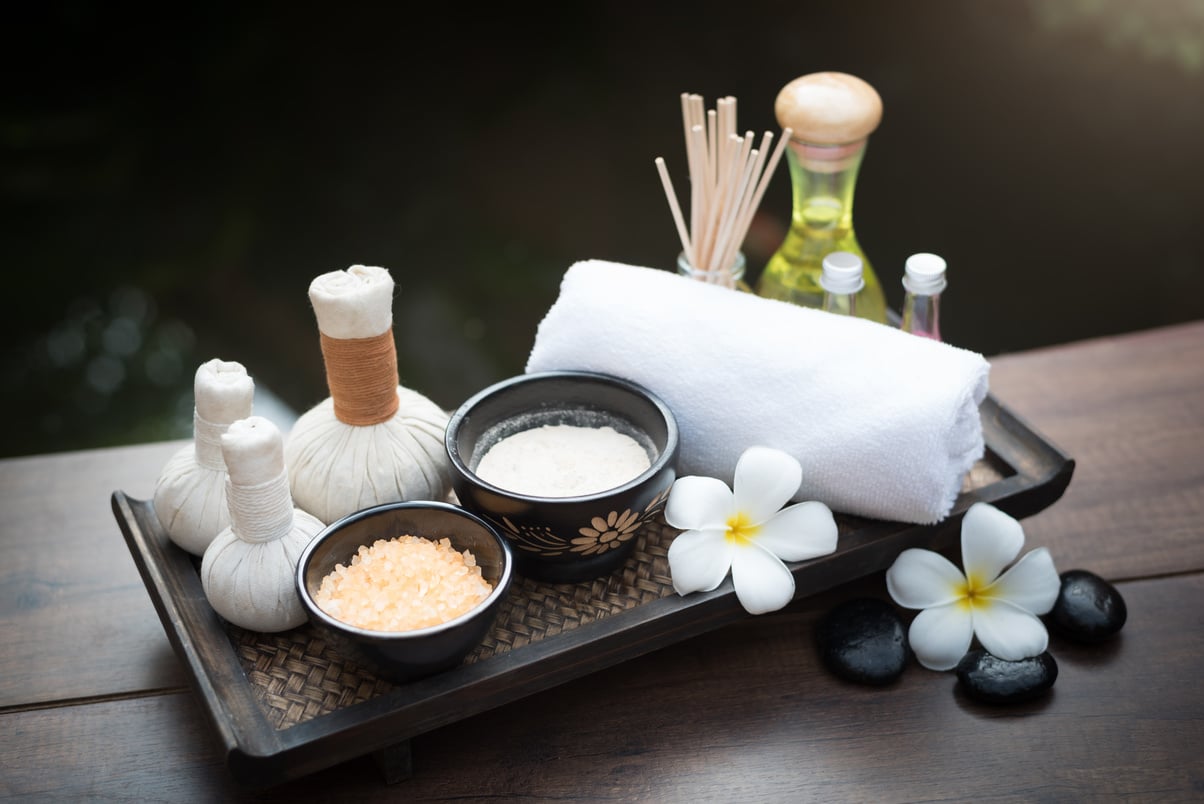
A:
x: 829, y: 108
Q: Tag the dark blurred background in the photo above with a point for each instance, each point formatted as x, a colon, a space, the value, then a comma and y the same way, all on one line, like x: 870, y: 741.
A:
x: 172, y: 181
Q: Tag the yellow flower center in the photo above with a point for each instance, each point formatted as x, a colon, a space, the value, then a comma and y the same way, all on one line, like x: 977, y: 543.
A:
x: 739, y: 530
x: 972, y: 592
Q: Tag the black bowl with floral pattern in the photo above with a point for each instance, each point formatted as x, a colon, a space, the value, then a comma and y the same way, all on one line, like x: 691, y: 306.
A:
x: 565, y: 539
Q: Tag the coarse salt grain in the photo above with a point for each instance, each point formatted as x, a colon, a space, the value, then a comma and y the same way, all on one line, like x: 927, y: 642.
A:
x: 402, y: 584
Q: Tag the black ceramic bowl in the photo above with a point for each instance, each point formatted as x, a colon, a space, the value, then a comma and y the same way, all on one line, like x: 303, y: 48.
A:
x: 565, y: 539
x: 406, y: 655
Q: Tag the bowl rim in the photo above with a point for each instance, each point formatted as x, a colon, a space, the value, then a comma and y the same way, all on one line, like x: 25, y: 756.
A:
x: 314, y: 610
x: 666, y: 456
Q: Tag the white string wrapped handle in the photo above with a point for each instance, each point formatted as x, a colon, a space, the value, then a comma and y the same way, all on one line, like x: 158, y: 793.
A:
x: 261, y: 512
x: 207, y: 437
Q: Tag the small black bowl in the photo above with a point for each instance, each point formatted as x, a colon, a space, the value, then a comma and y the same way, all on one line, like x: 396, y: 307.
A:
x: 565, y: 539
x: 406, y: 655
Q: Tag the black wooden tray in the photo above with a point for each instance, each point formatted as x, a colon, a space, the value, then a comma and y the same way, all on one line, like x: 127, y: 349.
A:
x: 286, y: 705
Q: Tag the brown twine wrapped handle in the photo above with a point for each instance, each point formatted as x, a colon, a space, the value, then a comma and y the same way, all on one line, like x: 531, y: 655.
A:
x: 361, y: 374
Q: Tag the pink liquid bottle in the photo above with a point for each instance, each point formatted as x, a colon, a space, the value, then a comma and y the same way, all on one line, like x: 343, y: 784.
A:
x: 923, y: 281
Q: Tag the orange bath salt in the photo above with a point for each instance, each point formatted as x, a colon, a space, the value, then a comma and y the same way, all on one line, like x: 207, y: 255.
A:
x: 403, y: 583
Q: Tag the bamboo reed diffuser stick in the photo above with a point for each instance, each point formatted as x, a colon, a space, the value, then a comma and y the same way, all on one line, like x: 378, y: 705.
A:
x: 728, y: 178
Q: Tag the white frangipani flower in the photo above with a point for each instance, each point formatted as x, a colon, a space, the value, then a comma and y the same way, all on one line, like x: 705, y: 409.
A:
x: 1001, y: 610
x: 746, y: 531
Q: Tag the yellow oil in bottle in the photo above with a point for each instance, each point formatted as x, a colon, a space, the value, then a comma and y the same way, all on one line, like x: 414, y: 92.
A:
x: 831, y: 116
x: 793, y: 272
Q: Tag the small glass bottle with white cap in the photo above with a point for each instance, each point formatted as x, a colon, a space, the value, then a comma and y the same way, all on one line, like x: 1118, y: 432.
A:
x: 841, y: 281
x: 923, y: 282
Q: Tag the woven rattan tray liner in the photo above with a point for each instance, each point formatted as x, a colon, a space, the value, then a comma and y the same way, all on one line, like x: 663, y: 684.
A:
x: 285, y: 705
x: 297, y: 675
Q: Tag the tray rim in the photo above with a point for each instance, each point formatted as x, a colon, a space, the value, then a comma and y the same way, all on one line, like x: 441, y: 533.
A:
x: 258, y: 754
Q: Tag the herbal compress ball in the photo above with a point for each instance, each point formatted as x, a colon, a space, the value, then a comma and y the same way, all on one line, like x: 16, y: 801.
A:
x: 248, y: 572
x: 371, y: 441
x: 190, y: 496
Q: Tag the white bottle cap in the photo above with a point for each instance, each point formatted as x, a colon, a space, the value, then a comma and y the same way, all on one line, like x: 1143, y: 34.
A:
x: 924, y: 274
x: 842, y: 273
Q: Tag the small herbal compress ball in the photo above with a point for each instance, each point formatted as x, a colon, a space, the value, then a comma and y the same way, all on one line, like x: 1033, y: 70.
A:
x: 190, y: 495
x: 248, y: 570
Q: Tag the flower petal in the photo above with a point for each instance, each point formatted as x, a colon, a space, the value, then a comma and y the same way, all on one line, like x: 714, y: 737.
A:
x: 1008, y: 631
x: 762, y: 582
x: 801, y: 531
x: 990, y: 541
x: 940, y: 636
x: 699, y: 560
x: 766, y: 479
x: 920, y: 579
x: 1032, y: 583
x: 699, y: 503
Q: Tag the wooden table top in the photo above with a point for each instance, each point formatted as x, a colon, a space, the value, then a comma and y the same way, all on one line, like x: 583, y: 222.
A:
x: 95, y: 705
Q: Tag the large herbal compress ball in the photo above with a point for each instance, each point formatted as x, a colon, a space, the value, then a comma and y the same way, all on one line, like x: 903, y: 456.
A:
x: 371, y: 441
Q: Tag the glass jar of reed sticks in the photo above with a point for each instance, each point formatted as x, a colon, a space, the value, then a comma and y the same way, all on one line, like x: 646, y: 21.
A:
x: 731, y: 277
x: 728, y: 177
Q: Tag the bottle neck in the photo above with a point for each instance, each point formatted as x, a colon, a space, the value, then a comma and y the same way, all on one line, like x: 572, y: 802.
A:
x: 921, y: 315
x: 840, y: 303
x: 823, y: 178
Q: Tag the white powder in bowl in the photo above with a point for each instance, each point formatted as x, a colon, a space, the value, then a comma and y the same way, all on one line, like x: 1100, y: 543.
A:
x: 562, y: 460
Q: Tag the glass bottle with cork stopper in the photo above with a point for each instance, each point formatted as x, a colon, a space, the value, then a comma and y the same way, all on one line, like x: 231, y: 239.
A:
x: 832, y: 115
x: 842, y: 281
x: 923, y: 282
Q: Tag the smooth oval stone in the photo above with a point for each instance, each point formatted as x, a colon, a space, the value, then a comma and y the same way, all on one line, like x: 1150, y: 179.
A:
x: 863, y: 640
x: 988, y: 678
x: 1088, y: 608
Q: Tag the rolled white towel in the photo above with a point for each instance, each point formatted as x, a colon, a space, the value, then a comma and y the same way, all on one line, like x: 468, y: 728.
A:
x: 884, y: 423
